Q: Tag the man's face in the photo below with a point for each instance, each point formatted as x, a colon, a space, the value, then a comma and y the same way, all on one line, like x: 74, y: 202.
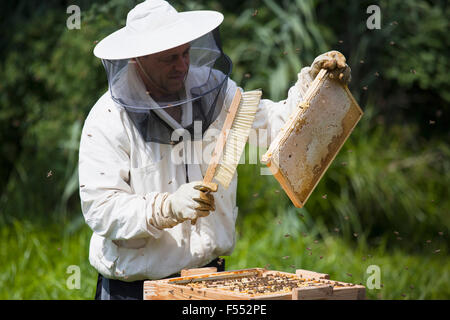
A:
x: 167, y: 70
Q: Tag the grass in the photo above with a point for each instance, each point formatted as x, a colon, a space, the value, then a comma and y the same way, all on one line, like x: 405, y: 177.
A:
x: 35, y: 258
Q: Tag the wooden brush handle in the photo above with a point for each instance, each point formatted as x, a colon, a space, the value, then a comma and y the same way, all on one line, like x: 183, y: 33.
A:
x: 220, y: 144
x: 222, y: 139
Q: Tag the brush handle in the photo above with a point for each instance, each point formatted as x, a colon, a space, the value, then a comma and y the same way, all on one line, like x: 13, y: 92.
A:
x: 222, y: 139
x: 220, y: 144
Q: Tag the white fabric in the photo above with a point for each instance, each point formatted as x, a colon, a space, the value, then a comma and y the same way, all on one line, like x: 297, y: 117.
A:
x: 154, y: 26
x: 124, y: 180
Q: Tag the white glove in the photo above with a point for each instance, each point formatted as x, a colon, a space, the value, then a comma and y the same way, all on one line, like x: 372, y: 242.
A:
x: 189, y: 202
x: 334, y: 62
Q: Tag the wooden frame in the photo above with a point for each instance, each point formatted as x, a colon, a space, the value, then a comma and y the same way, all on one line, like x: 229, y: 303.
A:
x: 303, y: 150
x: 316, y: 286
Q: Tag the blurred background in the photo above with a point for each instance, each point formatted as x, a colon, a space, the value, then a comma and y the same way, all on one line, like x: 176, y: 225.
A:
x: 384, y: 201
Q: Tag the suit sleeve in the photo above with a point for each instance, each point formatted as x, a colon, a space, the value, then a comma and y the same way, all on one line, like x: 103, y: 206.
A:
x: 109, y: 206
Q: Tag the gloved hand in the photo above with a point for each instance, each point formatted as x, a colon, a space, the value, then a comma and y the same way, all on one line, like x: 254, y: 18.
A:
x: 334, y: 62
x: 189, y: 202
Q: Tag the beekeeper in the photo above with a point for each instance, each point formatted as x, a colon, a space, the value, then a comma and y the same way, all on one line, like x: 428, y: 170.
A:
x: 143, y: 146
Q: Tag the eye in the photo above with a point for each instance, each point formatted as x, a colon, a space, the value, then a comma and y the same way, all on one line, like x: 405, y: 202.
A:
x: 168, y: 59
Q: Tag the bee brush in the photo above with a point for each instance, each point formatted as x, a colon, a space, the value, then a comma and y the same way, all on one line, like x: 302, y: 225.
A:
x: 232, y: 139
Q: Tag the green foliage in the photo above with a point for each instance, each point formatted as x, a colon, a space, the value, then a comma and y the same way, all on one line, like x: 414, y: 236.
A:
x: 418, y: 54
x: 403, y: 66
x: 54, y: 93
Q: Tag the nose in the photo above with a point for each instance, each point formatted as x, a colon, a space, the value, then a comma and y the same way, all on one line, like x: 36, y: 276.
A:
x: 182, y: 64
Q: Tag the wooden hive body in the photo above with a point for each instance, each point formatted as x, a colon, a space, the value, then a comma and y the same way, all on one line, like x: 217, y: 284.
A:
x: 195, y: 286
x: 312, y: 137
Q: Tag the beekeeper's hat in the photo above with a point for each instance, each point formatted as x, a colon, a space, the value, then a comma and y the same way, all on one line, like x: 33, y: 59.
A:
x: 154, y: 26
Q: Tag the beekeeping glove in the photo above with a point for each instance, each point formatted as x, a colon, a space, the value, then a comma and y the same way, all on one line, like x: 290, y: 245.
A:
x: 335, y: 63
x: 189, y: 202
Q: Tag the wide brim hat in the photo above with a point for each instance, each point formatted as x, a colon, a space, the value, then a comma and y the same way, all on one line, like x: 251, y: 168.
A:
x: 154, y: 26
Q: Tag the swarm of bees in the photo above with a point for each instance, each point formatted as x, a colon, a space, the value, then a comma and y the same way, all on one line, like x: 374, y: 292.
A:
x: 263, y: 283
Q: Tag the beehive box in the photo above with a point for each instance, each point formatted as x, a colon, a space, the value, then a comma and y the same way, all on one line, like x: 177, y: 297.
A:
x: 312, y: 137
x: 252, y: 284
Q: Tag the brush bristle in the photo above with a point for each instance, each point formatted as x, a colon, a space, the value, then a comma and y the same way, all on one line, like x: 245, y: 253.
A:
x: 237, y: 137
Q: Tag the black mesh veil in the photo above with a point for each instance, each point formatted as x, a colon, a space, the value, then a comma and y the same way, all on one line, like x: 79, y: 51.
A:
x: 200, y: 100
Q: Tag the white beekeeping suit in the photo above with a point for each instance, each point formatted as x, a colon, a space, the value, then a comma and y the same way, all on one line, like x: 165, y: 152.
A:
x: 133, y: 183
